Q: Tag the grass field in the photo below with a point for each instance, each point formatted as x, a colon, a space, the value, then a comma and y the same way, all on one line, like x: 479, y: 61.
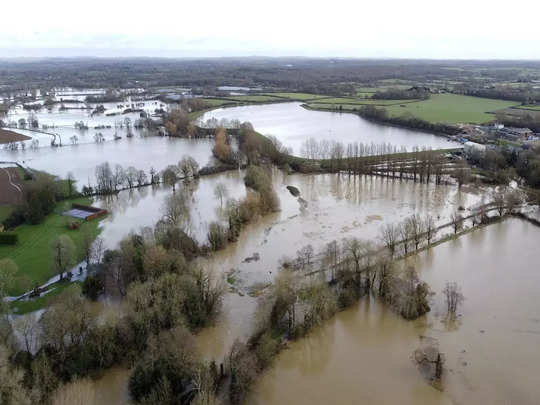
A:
x: 254, y: 98
x: 32, y: 253
x: 359, y: 101
x: 298, y: 96
x: 531, y: 107
x: 452, y: 109
x: 215, y: 102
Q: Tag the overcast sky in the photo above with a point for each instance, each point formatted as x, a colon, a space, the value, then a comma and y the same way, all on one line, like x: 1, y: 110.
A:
x: 475, y: 29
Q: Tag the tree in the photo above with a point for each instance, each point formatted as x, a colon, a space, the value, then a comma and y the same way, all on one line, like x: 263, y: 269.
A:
x: 457, y: 221
x: 304, y: 256
x: 170, y: 176
x: 430, y: 228
x: 405, y: 233
x: 331, y: 254
x: 70, y: 179
x: 85, y: 244
x: 499, y: 202
x: 221, y: 192
x: 176, y: 210
x: 141, y: 178
x: 512, y: 201
x: 63, y: 254
x: 389, y: 236
x: 119, y: 176
x: 453, y: 297
x: 131, y: 176
x: 188, y: 167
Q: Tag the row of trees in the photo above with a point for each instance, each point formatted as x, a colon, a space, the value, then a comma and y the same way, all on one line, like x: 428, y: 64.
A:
x: 422, y: 164
x: 109, y: 181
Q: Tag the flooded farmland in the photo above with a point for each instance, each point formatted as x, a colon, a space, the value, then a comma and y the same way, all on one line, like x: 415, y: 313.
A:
x: 293, y: 124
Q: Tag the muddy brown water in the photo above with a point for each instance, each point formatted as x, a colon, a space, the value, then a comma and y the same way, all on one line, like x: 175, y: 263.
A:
x: 363, y: 354
x: 338, y: 206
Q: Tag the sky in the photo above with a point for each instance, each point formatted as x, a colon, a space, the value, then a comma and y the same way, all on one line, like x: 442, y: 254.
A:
x: 458, y: 29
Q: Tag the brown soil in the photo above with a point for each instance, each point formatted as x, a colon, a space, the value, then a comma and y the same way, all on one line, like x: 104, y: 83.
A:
x: 7, y: 136
x: 11, y: 186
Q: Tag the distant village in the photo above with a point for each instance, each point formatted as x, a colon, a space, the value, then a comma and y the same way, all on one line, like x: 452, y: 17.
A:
x: 481, y: 137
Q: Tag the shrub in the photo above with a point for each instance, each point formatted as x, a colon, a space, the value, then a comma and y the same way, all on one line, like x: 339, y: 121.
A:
x: 8, y: 238
x: 92, y: 287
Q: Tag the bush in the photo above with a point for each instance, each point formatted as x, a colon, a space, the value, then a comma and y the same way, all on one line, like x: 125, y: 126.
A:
x: 217, y: 236
x: 15, y: 219
x: 8, y: 238
x: 92, y: 287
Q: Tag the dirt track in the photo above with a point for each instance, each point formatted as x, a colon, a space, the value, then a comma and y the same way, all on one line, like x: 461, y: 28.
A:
x: 11, y: 188
x: 7, y: 136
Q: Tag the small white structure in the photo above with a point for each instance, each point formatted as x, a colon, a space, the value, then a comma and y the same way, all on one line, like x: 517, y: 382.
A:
x: 470, y: 147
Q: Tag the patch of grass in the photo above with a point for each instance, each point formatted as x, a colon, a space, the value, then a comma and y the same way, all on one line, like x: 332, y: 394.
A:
x: 32, y: 305
x: 32, y: 253
x: 217, y: 102
x: 452, y: 109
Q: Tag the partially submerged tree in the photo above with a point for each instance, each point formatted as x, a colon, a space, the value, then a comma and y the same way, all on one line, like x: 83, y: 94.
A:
x: 453, y: 297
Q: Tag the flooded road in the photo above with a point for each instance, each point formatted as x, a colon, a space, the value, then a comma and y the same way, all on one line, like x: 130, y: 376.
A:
x: 363, y: 355
x: 293, y: 124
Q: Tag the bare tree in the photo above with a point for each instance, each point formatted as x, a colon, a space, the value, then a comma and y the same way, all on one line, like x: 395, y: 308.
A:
x: 304, y: 256
x: 499, y: 202
x: 221, y: 192
x: 331, y: 254
x: 63, y: 254
x: 390, y: 236
x: 453, y: 297
x: 457, y: 221
x: 430, y: 228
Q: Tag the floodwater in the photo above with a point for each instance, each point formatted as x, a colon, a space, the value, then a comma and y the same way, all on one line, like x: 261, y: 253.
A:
x: 133, y: 209
x: 338, y: 206
x: 363, y: 355
x: 293, y: 124
x: 141, y: 152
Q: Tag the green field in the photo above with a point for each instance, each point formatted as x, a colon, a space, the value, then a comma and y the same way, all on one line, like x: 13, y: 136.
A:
x: 32, y: 253
x: 359, y: 101
x: 298, y: 96
x: 452, y: 109
x: 254, y: 98
x: 531, y: 107
x: 215, y: 102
